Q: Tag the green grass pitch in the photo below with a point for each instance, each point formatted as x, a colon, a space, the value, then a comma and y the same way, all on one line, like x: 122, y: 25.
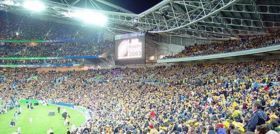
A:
x: 41, y: 122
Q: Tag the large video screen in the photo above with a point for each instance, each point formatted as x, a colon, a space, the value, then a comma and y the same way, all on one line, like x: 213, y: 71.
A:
x: 129, y: 48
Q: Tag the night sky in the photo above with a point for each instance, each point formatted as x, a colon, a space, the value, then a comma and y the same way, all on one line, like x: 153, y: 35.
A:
x: 136, y: 6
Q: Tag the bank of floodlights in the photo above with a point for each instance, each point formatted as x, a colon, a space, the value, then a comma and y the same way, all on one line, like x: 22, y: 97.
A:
x: 87, y: 16
x: 34, y: 5
x: 90, y: 17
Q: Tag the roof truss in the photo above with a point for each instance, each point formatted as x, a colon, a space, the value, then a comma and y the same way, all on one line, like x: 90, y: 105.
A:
x: 197, y: 18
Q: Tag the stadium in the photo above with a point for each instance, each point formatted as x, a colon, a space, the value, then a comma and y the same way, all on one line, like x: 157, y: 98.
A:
x: 139, y: 66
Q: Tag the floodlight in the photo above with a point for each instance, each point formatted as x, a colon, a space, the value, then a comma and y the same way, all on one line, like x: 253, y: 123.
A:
x: 90, y: 17
x: 9, y: 3
x: 34, y: 5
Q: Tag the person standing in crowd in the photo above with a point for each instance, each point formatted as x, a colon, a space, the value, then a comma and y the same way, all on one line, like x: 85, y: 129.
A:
x: 262, y: 129
x: 58, y: 110
x: 259, y: 117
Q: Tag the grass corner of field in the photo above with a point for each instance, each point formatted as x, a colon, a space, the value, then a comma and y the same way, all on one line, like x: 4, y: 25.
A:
x: 37, y: 121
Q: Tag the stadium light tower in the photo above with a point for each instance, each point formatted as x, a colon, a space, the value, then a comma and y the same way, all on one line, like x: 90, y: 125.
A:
x: 91, y: 17
x: 34, y: 5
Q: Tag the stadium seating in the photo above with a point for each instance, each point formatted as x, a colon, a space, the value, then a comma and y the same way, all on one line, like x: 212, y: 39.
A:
x: 230, y: 45
x: 193, y: 98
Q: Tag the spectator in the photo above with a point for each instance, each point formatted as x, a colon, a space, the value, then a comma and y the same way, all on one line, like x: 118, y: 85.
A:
x: 259, y: 117
x: 262, y: 129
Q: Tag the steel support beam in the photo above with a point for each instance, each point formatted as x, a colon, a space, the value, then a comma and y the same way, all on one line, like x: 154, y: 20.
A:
x: 223, y: 18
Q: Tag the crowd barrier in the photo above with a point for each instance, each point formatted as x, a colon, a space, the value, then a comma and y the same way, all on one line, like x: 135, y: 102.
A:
x: 63, y: 104
x: 24, y: 101
x: 49, y: 58
x: 34, y: 101
x: 44, y: 65
x: 37, y: 65
x: 41, y: 41
x: 80, y: 57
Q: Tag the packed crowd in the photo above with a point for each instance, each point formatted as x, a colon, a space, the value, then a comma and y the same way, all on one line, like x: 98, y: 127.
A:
x: 39, y: 62
x: 19, y: 37
x: 14, y: 26
x: 54, y: 49
x: 59, y: 40
x: 222, y: 98
x: 230, y: 45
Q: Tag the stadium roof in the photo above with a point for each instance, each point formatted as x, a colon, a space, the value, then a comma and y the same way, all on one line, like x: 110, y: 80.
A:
x: 210, y: 19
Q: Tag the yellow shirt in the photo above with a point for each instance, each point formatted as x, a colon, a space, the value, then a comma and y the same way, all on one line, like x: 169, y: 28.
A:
x: 239, y: 125
x: 233, y: 105
x: 236, y: 113
x: 226, y: 124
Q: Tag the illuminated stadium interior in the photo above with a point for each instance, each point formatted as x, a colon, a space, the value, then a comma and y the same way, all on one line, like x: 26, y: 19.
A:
x: 139, y: 66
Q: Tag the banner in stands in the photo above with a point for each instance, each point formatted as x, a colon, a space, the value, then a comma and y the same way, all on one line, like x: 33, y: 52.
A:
x: 25, y: 101
x: 37, y: 65
x: 49, y: 58
x: 130, y: 48
x: 62, y: 104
